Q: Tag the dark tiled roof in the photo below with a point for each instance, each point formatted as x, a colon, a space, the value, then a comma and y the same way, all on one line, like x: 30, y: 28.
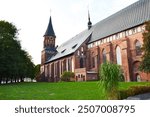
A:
x: 71, y: 45
x: 131, y: 16
x: 50, y: 31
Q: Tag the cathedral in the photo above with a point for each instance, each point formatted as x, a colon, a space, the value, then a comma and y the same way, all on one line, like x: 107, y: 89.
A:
x: 117, y: 39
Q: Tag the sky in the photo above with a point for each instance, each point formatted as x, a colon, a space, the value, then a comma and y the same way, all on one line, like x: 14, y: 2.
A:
x: 69, y: 17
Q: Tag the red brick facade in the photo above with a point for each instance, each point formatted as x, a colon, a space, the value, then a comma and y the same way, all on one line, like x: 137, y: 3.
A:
x: 129, y: 56
x: 85, y: 62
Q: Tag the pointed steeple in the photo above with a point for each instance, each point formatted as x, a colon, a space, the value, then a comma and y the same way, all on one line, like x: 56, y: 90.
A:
x: 89, y: 21
x: 50, y: 30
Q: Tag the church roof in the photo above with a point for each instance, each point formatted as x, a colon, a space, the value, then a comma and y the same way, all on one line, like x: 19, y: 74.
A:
x: 50, y: 30
x: 127, y: 18
x: 71, y: 45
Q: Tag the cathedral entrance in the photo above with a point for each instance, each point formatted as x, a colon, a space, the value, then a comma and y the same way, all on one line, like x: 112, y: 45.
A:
x: 136, y: 72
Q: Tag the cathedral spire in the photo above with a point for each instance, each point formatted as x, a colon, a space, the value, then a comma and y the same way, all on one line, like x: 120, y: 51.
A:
x: 50, y: 30
x: 89, y: 21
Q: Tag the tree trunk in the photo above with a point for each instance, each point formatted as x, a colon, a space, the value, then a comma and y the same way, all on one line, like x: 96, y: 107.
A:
x: 15, y: 80
x: 6, y: 80
x: 18, y: 80
x: 0, y: 80
x: 22, y: 80
x: 11, y: 80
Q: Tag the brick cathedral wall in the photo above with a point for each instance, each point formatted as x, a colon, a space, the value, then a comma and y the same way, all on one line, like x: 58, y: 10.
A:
x: 128, y: 54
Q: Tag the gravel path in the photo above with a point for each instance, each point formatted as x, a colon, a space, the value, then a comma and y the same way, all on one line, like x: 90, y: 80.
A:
x: 145, y: 96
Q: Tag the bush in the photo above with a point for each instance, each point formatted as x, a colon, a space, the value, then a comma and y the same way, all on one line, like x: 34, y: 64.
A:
x: 66, y: 76
x: 109, y: 78
x: 134, y: 90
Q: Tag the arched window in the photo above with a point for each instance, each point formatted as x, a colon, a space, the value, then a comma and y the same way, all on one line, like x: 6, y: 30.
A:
x: 93, y: 62
x: 104, y: 56
x: 118, y: 55
x: 78, y: 53
x: 81, y: 63
x: 138, y: 48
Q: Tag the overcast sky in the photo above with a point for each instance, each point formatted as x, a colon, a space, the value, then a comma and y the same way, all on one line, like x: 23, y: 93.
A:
x: 69, y: 17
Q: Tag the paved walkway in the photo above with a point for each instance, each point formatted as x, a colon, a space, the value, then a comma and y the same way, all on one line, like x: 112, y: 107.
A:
x: 145, y: 96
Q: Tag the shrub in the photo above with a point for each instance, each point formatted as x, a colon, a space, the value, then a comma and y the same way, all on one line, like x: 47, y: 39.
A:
x: 109, y: 77
x: 134, y: 90
x: 67, y: 75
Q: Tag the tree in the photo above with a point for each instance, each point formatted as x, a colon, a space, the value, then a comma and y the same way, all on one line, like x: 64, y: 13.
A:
x: 37, y: 72
x: 66, y: 76
x: 15, y: 63
x: 109, y: 79
x: 145, y: 64
x: 8, y: 46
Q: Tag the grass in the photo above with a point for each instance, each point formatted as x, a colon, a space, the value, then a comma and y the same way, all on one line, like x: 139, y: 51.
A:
x: 58, y: 91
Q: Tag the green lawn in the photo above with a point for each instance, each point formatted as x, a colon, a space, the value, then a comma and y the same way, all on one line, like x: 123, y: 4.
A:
x: 57, y: 91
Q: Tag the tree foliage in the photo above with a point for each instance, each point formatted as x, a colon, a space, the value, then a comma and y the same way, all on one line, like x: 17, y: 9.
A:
x: 145, y: 64
x: 66, y: 76
x: 15, y: 63
x: 110, y: 75
x: 37, y: 72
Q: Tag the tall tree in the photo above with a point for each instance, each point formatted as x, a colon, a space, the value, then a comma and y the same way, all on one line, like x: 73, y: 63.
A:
x: 37, y: 72
x: 8, y: 33
x: 15, y: 63
x: 145, y: 64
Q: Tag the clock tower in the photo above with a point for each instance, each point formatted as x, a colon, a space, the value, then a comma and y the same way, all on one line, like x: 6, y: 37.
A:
x: 49, y: 48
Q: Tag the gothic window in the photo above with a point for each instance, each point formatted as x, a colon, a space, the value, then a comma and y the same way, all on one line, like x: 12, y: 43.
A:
x: 130, y: 32
x: 104, y: 56
x: 46, y: 73
x: 107, y: 39
x: 81, y: 63
x: 69, y: 64
x: 93, y: 62
x: 114, y: 37
x: 89, y: 46
x: 134, y: 30
x: 117, y: 36
x: 138, y: 48
x: 82, y: 49
x: 118, y: 56
x: 127, y: 33
x: 104, y: 40
x: 139, y: 29
x: 121, y: 35
x: 111, y: 38
x: 50, y: 69
x: 62, y: 66
x: 78, y: 53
